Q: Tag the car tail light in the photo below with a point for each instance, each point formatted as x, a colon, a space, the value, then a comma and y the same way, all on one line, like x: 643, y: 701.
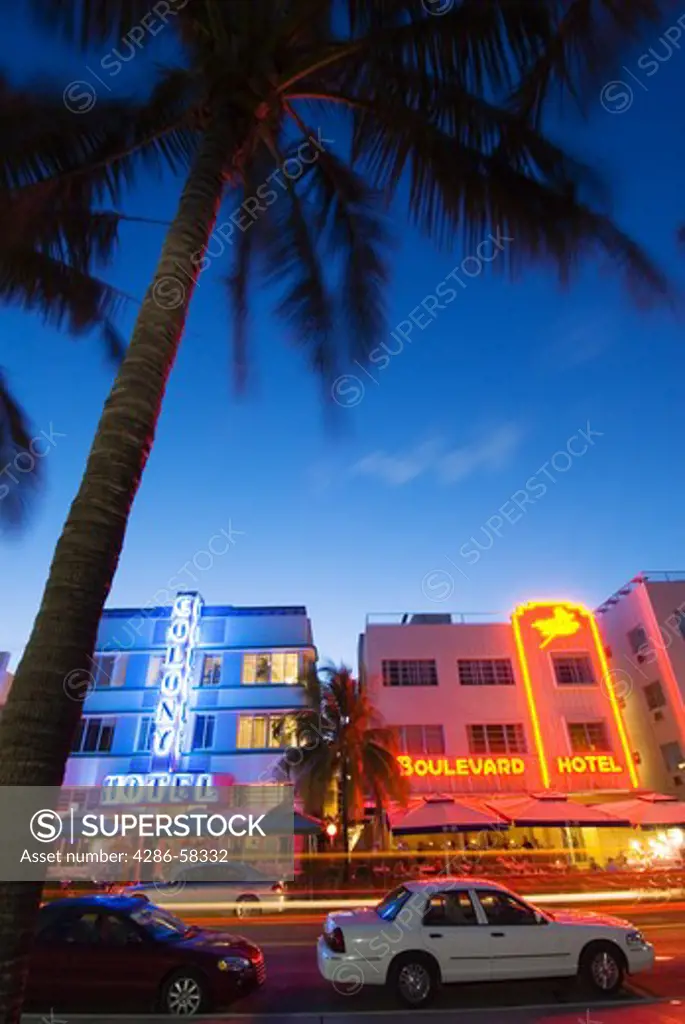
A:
x: 277, y: 887
x: 336, y: 940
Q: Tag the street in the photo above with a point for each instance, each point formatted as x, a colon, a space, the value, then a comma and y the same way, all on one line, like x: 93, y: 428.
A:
x: 294, y: 986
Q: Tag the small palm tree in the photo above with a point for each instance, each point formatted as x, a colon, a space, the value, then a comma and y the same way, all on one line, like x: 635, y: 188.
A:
x: 343, y: 750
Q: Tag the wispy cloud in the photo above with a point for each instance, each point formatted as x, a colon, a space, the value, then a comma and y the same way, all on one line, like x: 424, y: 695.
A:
x: 577, y: 342
x: 447, y: 465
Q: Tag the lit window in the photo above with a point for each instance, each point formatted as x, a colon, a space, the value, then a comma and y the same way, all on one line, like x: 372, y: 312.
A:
x: 588, y: 737
x: 259, y: 732
x: 573, y: 670
x: 420, y: 672
x: 145, y: 733
x: 211, y: 670
x: 421, y: 739
x: 154, y: 670
x: 486, y: 672
x: 284, y: 667
x: 94, y: 736
x: 203, y: 732
x: 276, y: 667
x: 496, y: 739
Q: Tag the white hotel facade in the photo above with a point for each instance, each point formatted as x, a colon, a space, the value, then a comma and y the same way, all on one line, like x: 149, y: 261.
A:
x: 190, y: 692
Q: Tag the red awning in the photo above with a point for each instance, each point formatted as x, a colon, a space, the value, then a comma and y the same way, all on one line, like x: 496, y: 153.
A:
x: 445, y: 814
x: 649, y: 810
x: 552, y: 810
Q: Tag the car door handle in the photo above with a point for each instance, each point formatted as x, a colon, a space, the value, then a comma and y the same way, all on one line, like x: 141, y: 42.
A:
x: 435, y: 935
x: 497, y: 935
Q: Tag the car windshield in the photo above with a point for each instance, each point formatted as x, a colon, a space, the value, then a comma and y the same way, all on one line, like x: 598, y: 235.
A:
x: 389, y: 906
x: 159, y: 923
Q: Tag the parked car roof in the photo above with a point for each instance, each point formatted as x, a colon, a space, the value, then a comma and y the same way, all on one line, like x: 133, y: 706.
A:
x: 454, y: 881
x: 102, y: 901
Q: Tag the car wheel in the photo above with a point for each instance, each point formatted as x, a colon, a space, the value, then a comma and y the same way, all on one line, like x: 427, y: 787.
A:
x: 184, y: 994
x: 247, y: 906
x: 414, y: 978
x: 602, y: 968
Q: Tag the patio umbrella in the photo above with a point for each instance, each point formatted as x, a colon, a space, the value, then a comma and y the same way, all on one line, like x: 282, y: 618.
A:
x: 445, y: 814
x: 554, y: 811
x: 651, y: 810
x: 283, y: 820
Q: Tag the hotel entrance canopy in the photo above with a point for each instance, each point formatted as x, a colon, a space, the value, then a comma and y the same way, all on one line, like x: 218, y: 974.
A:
x: 445, y: 814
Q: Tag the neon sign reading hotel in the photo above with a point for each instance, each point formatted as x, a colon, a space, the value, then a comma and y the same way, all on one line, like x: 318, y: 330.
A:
x: 172, y: 710
x: 536, y: 626
x: 544, y: 631
x: 602, y: 764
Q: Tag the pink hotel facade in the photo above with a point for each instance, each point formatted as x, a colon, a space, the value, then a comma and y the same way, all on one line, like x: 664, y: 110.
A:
x: 557, y: 699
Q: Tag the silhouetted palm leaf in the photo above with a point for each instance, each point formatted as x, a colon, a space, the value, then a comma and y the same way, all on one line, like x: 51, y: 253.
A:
x: 16, y: 482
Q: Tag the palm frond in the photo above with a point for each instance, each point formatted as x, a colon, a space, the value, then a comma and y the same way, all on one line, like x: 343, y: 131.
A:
x: 89, y: 159
x: 353, y: 228
x: 293, y: 260
x: 61, y: 294
x: 584, y: 43
x: 88, y: 21
x: 496, y: 175
x: 22, y: 472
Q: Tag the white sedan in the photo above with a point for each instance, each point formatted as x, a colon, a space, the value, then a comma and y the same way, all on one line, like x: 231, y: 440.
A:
x: 465, y: 929
x: 241, y: 889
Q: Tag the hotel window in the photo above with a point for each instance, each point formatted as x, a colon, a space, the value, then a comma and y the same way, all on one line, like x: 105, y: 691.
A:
x: 672, y: 755
x: 588, y: 737
x: 573, y: 670
x: 422, y: 672
x: 277, y: 667
x: 637, y: 638
x: 203, y: 732
x: 258, y: 732
x: 145, y: 733
x: 486, y: 672
x: 104, y: 671
x: 160, y: 630
x: 211, y: 670
x: 420, y: 739
x: 155, y: 668
x: 654, y: 695
x: 496, y: 739
x: 94, y: 736
x: 679, y: 614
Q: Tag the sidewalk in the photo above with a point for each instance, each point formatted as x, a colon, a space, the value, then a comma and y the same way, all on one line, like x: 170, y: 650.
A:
x: 658, y: 1012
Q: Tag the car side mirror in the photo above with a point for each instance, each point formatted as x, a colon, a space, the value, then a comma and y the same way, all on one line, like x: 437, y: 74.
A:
x: 540, y: 919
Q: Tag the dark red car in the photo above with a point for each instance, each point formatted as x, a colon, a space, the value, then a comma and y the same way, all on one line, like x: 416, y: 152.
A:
x: 122, y: 952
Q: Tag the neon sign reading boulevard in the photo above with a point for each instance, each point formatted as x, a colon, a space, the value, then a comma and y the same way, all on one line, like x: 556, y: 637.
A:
x: 172, y: 710
x: 603, y: 764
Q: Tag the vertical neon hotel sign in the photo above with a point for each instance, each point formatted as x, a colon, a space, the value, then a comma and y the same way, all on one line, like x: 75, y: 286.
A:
x: 172, y: 710
x: 536, y: 626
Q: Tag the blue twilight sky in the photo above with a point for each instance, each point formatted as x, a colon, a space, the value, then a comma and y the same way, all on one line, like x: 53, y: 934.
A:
x: 379, y: 514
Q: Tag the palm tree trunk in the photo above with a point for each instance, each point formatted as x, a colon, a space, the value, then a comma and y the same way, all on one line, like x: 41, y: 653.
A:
x: 42, y: 711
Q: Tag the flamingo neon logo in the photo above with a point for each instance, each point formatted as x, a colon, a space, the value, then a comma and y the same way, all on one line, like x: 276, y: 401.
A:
x: 562, y: 623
